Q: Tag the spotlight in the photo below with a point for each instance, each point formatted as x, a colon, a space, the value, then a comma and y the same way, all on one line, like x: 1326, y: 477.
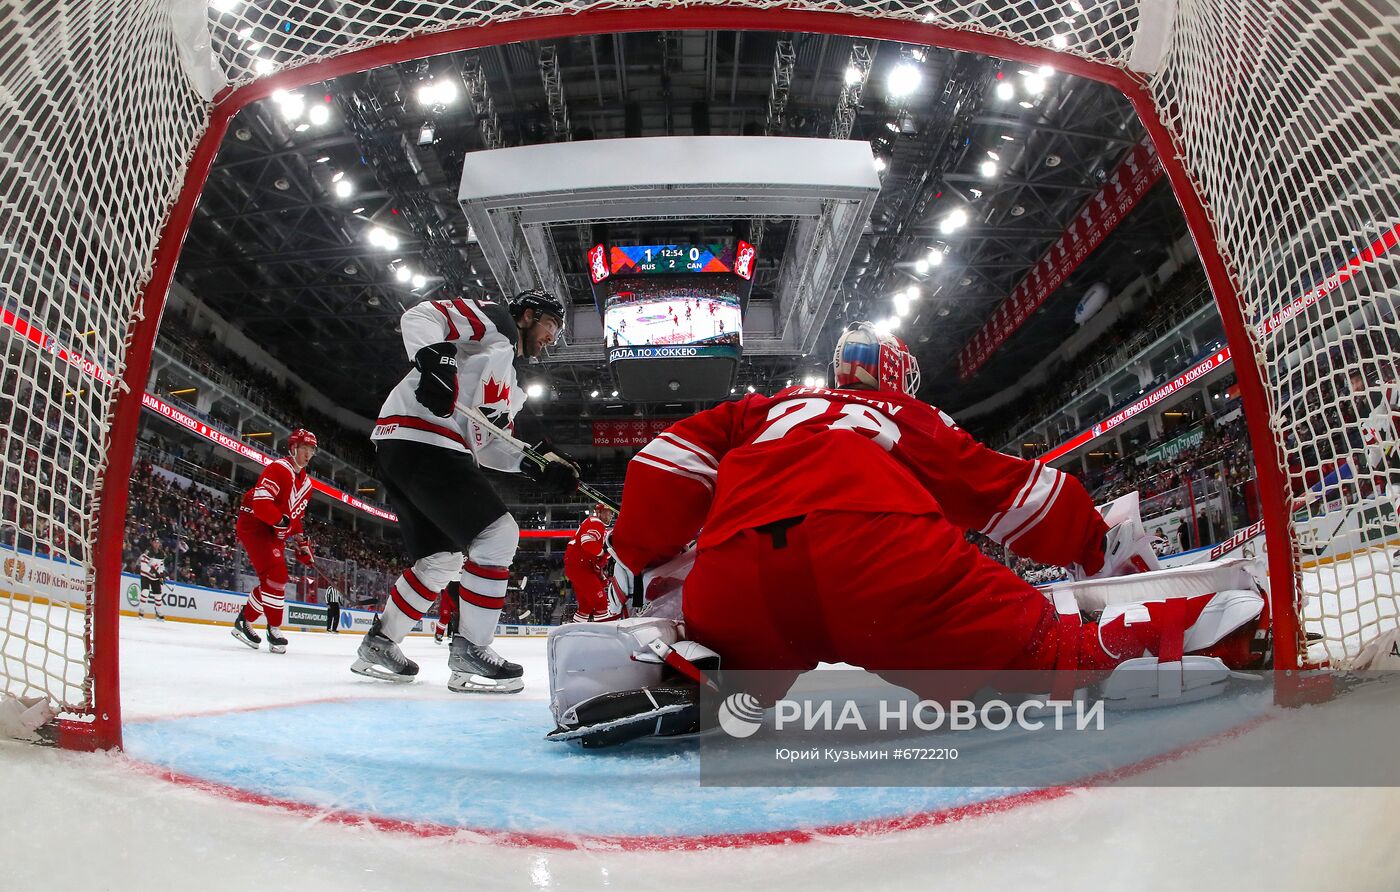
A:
x: 535, y: 391
x: 344, y: 188
x: 903, y: 80
x: 318, y: 114
x: 1005, y: 92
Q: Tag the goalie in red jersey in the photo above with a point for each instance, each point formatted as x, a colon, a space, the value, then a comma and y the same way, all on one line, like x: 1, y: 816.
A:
x: 831, y: 522
x: 268, y: 516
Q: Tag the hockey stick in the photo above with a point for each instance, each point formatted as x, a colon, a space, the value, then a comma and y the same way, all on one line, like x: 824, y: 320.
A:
x: 528, y: 451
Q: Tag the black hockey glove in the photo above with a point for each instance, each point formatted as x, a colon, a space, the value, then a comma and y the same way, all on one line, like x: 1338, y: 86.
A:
x: 437, y: 382
x: 559, y: 476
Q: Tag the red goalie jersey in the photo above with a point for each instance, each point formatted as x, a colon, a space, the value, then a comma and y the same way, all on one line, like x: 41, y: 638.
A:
x: 762, y: 459
x: 281, y: 491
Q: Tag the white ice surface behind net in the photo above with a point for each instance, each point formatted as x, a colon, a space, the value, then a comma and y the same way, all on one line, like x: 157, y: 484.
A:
x: 122, y: 829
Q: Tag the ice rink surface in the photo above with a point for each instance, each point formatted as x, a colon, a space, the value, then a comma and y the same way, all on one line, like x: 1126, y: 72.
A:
x: 297, y: 731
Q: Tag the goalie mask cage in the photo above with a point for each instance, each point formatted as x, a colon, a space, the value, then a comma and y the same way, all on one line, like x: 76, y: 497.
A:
x: 1275, y: 121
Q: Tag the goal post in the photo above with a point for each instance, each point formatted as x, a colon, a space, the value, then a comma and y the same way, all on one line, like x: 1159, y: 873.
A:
x: 113, y: 118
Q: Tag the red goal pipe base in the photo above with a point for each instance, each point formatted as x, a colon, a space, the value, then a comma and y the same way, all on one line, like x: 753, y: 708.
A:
x: 1304, y: 687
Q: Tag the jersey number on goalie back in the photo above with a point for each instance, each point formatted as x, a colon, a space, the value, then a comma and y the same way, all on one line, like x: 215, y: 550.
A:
x: 788, y: 414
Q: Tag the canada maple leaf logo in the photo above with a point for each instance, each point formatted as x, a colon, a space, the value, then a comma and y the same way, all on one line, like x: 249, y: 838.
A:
x: 495, y: 392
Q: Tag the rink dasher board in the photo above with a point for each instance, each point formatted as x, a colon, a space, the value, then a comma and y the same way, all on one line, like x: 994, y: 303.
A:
x: 52, y: 581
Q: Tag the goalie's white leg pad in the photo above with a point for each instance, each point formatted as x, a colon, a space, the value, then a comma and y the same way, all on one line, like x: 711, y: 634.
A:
x: 1174, y: 582
x: 1224, y: 613
x: 589, y: 659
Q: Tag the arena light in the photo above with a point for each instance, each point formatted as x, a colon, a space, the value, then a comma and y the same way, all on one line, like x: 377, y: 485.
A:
x: 901, y: 304
x: 535, y: 390
x: 988, y: 169
x: 264, y: 66
x: 880, y: 164
x: 426, y: 135
x: 912, y: 293
x: 594, y: 394
x: 323, y: 159
x: 1025, y: 104
x: 432, y: 93
x: 344, y: 188
x: 318, y: 114
x: 376, y: 236
x: 1059, y: 41
x: 614, y: 393
x: 1046, y: 71
x: 1035, y: 84
x: 391, y: 241
x: 403, y: 274
x: 292, y: 106
x: 955, y: 220
x: 994, y: 156
x: 419, y: 280
x: 921, y: 266
x: 224, y: 5
x: 903, y: 80
x: 1005, y: 91
x: 935, y: 256
x: 853, y: 77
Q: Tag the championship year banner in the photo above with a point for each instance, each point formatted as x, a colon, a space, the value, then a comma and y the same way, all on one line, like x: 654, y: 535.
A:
x: 1099, y: 216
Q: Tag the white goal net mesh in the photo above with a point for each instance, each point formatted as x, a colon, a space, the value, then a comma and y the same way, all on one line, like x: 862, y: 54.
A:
x: 1283, y: 111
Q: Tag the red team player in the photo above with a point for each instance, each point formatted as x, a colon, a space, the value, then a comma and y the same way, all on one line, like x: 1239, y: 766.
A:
x: 583, y: 564
x: 831, y: 529
x: 269, y: 514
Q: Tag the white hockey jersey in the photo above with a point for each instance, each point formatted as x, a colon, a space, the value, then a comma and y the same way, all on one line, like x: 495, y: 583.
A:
x: 151, y: 567
x: 485, y: 339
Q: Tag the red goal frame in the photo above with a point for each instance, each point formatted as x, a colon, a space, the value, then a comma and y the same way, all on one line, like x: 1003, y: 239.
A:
x: 105, y: 729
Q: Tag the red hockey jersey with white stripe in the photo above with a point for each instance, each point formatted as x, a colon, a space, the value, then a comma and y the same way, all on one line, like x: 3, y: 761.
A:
x: 587, y: 544
x: 281, y: 490
x: 761, y: 459
x: 485, y: 338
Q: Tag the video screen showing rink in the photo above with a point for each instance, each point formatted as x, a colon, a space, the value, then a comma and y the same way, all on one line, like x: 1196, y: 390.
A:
x: 681, y: 312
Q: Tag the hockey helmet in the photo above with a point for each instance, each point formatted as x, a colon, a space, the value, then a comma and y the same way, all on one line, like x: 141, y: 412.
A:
x: 300, y: 437
x: 866, y: 358
x: 540, y: 301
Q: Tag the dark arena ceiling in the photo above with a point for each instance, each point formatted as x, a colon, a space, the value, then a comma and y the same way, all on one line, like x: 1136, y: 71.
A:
x: 281, y: 241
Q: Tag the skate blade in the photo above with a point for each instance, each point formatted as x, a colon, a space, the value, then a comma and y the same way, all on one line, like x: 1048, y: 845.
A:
x: 375, y: 671
x: 277, y: 649
x: 461, y: 683
x: 245, y: 639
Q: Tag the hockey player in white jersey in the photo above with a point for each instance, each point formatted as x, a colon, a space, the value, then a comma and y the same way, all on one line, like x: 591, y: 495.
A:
x: 464, y: 354
x: 152, y: 567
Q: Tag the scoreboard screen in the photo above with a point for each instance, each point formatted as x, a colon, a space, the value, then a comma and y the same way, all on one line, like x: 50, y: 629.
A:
x: 700, y: 314
x: 650, y: 260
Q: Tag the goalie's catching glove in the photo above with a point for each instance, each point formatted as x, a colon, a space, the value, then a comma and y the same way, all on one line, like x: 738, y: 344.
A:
x: 437, y: 381
x: 558, y: 476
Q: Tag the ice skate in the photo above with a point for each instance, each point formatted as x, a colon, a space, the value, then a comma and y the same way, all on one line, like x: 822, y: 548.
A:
x: 244, y: 632
x: 476, y: 668
x: 276, y: 642
x: 381, y: 658
x: 141, y: 612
